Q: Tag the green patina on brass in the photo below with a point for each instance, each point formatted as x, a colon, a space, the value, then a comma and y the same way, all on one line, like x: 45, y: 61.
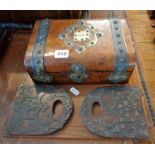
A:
x: 78, y: 73
x: 120, y: 73
x: 121, y: 116
x: 38, y: 70
x: 81, y: 36
x: 42, y: 77
x: 32, y: 112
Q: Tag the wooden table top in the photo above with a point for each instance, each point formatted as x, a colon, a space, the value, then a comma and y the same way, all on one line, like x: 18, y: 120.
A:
x: 12, y: 72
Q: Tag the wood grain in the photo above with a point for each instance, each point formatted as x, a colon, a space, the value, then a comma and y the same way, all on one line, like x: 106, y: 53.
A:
x: 100, y: 59
x: 144, y: 40
x: 12, y: 72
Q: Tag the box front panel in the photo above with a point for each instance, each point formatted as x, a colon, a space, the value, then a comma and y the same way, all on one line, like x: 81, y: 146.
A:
x: 80, y: 51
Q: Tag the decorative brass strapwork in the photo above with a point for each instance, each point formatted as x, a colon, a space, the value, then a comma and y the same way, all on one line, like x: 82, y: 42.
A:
x: 81, y: 36
x: 78, y: 73
x: 33, y: 110
x: 39, y: 73
x: 121, y: 114
x: 122, y: 59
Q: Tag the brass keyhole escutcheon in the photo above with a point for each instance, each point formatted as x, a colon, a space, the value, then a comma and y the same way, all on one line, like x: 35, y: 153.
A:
x: 78, y: 73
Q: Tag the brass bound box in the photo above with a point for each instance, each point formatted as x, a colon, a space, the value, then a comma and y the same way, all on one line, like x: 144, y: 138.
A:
x: 80, y: 51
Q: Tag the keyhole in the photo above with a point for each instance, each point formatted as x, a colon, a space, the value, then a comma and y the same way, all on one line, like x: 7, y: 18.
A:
x: 79, y: 76
x: 96, y: 109
x: 57, y: 109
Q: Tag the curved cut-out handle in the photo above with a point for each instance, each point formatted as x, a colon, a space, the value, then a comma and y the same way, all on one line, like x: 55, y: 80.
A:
x: 96, y: 110
x: 57, y: 109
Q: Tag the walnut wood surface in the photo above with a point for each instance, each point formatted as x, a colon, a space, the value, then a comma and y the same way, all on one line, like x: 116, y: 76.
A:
x: 74, y: 132
x: 99, y: 59
x: 12, y: 72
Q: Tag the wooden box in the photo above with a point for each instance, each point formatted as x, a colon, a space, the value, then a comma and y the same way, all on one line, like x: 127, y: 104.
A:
x: 80, y: 51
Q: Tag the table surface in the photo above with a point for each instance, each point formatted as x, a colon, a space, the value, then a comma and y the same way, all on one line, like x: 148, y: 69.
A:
x: 12, y: 72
